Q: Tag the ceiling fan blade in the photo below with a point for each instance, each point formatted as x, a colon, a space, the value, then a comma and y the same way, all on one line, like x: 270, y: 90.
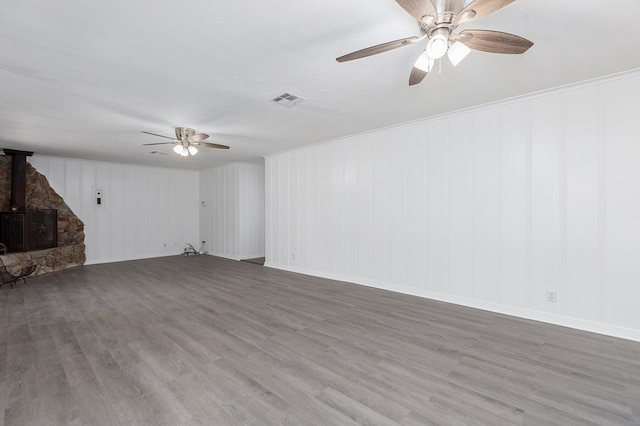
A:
x: 479, y: 8
x: 158, y: 143
x: 199, y: 137
x: 416, y: 76
x: 379, y: 48
x: 422, y: 10
x: 155, y: 134
x: 210, y: 145
x: 495, y: 41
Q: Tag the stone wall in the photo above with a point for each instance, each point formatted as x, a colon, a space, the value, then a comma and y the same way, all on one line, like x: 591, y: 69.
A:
x: 49, y: 260
x: 39, y: 195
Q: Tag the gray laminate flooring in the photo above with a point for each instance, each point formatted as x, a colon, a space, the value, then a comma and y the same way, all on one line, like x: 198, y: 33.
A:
x: 203, y: 340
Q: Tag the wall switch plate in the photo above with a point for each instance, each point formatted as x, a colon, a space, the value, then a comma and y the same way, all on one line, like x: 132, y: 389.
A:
x: 98, y: 198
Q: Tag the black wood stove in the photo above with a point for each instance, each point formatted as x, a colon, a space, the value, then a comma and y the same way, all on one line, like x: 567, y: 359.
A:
x: 22, y: 229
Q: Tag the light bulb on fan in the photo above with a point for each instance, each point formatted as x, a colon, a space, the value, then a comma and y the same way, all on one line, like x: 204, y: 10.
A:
x: 424, y: 62
x: 457, y: 52
x: 438, y: 43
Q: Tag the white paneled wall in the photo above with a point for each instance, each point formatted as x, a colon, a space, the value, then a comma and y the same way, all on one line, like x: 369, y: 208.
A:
x: 232, y: 210
x: 489, y: 207
x: 147, y: 211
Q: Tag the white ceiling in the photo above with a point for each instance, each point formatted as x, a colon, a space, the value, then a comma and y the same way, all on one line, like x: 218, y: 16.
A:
x: 82, y: 79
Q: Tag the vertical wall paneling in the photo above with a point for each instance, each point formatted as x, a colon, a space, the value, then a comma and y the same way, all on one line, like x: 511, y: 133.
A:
x: 601, y: 159
x: 460, y: 205
x: 562, y: 217
x: 290, y: 219
x: 89, y: 213
x: 285, y: 213
x: 275, y: 211
x: 364, y: 199
x: 486, y: 204
x: 118, y: 210
x: 545, y: 201
x: 128, y: 199
x: 351, y: 209
x: 306, y: 216
x: 621, y: 212
x: 255, y: 208
x: 513, y: 203
x: 528, y: 290
x: 324, y: 207
x: 437, y: 234
x: 337, y: 214
x: 102, y: 216
x: 582, y: 132
x: 397, y: 227
x: 233, y: 215
x: 313, y: 211
x: 232, y: 210
x: 489, y: 207
x: 268, y: 208
x: 382, y: 206
x: 416, y: 201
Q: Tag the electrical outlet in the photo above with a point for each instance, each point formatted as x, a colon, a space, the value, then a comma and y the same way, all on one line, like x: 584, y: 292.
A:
x: 293, y: 256
x: 552, y: 296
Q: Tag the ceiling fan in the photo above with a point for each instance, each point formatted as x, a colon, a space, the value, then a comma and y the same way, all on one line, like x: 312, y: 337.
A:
x: 437, y: 20
x: 186, y: 141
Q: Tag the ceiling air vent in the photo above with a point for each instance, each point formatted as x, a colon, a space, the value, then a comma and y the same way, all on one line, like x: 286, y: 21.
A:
x: 288, y: 100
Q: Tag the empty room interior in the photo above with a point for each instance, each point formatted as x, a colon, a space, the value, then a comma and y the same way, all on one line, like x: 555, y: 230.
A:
x: 383, y: 212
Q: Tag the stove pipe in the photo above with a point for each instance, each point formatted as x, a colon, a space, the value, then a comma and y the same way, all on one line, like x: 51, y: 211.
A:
x: 18, y: 179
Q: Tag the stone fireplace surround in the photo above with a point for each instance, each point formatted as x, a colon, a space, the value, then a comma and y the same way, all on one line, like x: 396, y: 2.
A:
x: 39, y: 195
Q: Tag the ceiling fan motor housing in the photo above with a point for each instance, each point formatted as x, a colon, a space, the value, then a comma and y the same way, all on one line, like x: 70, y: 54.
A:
x: 184, y: 133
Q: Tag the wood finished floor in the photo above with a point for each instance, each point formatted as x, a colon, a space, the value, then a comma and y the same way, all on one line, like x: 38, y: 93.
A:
x: 204, y: 340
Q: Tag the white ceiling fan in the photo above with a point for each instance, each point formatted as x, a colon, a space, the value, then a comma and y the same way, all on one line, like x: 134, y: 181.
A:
x: 437, y: 20
x: 186, y: 141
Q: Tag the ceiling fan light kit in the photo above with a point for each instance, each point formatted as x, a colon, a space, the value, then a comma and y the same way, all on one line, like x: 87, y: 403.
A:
x: 185, y: 151
x: 185, y: 141
x: 438, y: 29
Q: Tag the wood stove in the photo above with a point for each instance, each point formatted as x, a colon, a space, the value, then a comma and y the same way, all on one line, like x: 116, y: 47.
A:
x: 22, y: 229
x: 29, y: 230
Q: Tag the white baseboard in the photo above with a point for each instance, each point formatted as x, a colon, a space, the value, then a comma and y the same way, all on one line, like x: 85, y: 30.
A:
x: 251, y: 256
x: 530, y: 314
x: 225, y: 256
x: 124, y: 259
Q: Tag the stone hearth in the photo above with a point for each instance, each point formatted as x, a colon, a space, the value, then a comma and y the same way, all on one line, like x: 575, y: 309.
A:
x: 40, y: 195
x: 48, y: 260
